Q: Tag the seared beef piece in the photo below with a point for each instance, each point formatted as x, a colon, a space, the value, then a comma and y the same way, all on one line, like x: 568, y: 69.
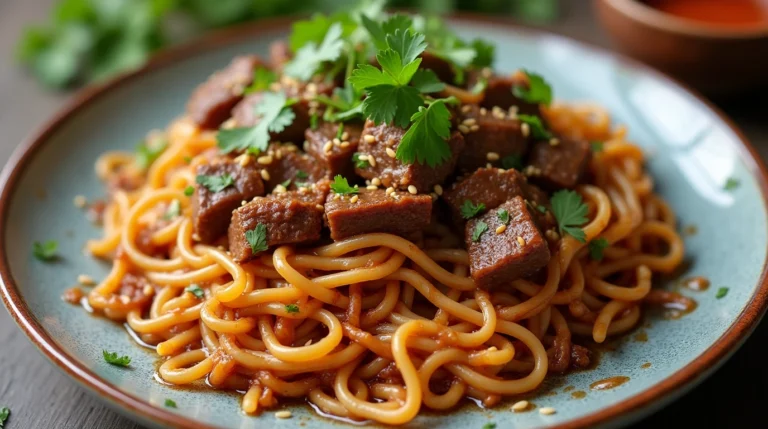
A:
x: 498, y: 258
x: 499, y: 92
x: 337, y: 160
x: 394, y: 173
x: 211, y: 211
x: 212, y: 102
x: 558, y: 166
x: 279, y: 55
x: 245, y: 115
x: 490, y: 132
x: 288, y: 163
x: 405, y: 214
x: 441, y: 67
x: 289, y: 219
x: 492, y: 187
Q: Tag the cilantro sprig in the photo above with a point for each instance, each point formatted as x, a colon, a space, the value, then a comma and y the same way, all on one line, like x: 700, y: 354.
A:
x: 262, y: 79
x: 113, y: 359
x: 312, y: 55
x: 469, y: 210
x: 571, y: 213
x: 275, y: 115
x: 148, y: 151
x: 596, y: 248
x: 257, y: 238
x: 195, y: 290
x: 480, y: 229
x: 341, y: 186
x: 215, y: 183
x: 503, y: 216
x: 538, y: 130
x: 425, y: 140
x: 5, y: 412
x: 45, y: 251
x: 538, y: 90
x: 291, y: 308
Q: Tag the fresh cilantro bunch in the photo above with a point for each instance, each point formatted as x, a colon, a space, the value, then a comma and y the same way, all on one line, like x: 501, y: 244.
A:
x: 571, y: 213
x: 310, y: 57
x: 447, y: 45
x: 275, y: 115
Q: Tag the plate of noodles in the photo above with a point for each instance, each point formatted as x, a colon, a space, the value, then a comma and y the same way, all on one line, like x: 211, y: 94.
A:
x: 386, y: 220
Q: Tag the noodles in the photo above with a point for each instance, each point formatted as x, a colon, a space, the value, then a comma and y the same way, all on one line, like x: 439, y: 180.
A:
x: 373, y: 326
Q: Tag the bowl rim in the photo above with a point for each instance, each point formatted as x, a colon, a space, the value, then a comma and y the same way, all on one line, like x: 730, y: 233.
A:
x: 636, y: 10
x: 140, y: 408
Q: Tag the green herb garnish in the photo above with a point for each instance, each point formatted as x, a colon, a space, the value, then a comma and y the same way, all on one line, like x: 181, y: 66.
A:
x: 731, y: 184
x: 469, y: 210
x: 596, y: 146
x: 146, y: 154
x: 311, y: 56
x: 360, y: 163
x: 174, y: 210
x: 170, y: 403
x: 275, y: 115
x: 425, y: 140
x: 262, y: 79
x: 114, y: 359
x: 503, y: 216
x: 596, y: 248
x: 721, y: 292
x: 189, y: 190
x: 4, y: 413
x: 341, y: 186
x: 195, y: 290
x: 536, y: 126
x: 301, y: 174
x: 538, y: 90
x: 286, y: 183
x: 45, y: 251
x: 215, y: 183
x: 480, y: 228
x: 571, y: 213
x: 291, y: 308
x: 257, y: 238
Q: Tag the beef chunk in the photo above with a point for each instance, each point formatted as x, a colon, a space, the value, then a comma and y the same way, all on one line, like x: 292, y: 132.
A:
x: 558, y: 166
x: 498, y: 93
x: 212, y: 102
x: 490, y: 136
x: 279, y: 54
x: 288, y: 217
x: 394, y: 173
x: 498, y: 258
x: 337, y: 159
x: 211, y: 211
x: 492, y: 187
x: 286, y: 162
x: 404, y: 214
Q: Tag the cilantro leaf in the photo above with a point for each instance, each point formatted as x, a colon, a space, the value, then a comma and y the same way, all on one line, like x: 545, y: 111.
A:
x: 408, y: 44
x: 596, y: 248
x: 571, y: 213
x: 366, y: 76
x: 470, y: 210
x: 512, y: 161
x: 291, y: 308
x: 174, y: 210
x: 489, y: 425
x: 189, y: 190
x: 460, y: 56
x: 359, y: 163
x: 300, y: 174
x: 341, y: 186
x: 541, y: 209
x: 503, y: 216
x: 45, y: 251
x: 313, y: 121
x: 262, y: 79
x: 215, y: 183
x: 721, y: 292
x: 480, y: 228
x: 257, y: 238
x: 195, y: 290
x: 286, y: 183
x: 538, y: 90
x: 378, y: 32
x: 537, y: 127
x: 484, y: 53
x: 480, y: 86
x: 731, y: 184
x: 147, y: 153
x: 596, y: 146
x: 170, y: 403
x: 389, y: 103
x: 311, y: 56
x: 113, y: 359
x: 426, y: 81
x: 425, y: 140
x: 275, y: 116
x: 4, y: 413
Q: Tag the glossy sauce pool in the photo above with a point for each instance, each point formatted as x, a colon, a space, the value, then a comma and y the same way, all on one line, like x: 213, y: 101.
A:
x: 719, y: 13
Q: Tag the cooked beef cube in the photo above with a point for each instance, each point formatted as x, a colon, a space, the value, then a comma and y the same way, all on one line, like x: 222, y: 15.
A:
x: 382, y: 144
x: 212, y: 102
x: 279, y: 54
x: 404, y: 214
x: 498, y: 93
x: 211, y: 211
x: 490, y: 137
x: 286, y: 162
x: 492, y: 187
x: 499, y: 256
x: 441, y: 67
x: 558, y: 166
x: 289, y: 219
x: 337, y: 159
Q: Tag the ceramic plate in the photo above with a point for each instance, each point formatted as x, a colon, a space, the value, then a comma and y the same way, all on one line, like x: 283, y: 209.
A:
x: 692, y: 151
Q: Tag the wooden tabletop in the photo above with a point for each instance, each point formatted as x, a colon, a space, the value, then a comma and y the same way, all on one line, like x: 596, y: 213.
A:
x: 40, y: 396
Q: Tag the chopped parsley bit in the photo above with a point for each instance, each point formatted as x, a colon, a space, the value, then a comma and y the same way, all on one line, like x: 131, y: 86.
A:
x: 541, y: 209
x: 187, y: 159
x: 262, y: 79
x: 340, y: 131
x: 470, y: 210
x: 721, y: 293
x: 571, y: 213
x: 490, y: 425
x: 359, y: 163
x: 257, y: 238
x: 537, y: 127
x: 189, y: 190
x: 291, y: 308
x: 596, y: 248
x: 512, y: 161
x: 341, y: 186
x: 596, y: 146
x: 113, y: 359
x: 538, y: 90
x: 170, y: 403
x: 301, y: 174
x: 731, y: 184
x: 146, y: 154
x: 479, y: 230
x: 195, y: 290
x: 174, y: 209
x: 503, y: 215
x: 480, y: 86
x: 311, y: 56
x: 4, y: 413
x: 215, y: 183
x: 313, y: 121
x: 275, y: 113
x: 45, y: 251
x: 286, y: 183
x: 425, y: 140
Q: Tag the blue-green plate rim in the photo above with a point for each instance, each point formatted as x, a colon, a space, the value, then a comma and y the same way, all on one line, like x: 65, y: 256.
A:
x: 700, y: 367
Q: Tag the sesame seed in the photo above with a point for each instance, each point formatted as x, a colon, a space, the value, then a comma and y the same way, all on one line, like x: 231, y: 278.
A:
x: 438, y: 190
x: 371, y: 160
x: 345, y: 135
x: 391, y: 153
x: 474, y: 128
x: 305, y: 145
x: 242, y: 203
x: 466, y: 108
x: 80, y: 201
x: 554, y: 141
x: 412, y: 189
x: 125, y: 299
x: 344, y: 144
x: 353, y: 199
x: 376, y: 181
x: 279, y: 154
x: 266, y: 160
x: 336, y: 196
x: 336, y: 141
x: 265, y: 174
x: 312, y: 87
x: 525, y: 129
x: 488, y: 165
x: 552, y: 235
x: 369, y: 138
x: 243, y: 159
x: 372, y: 187
x: 328, y: 146
x: 434, y: 196
x: 492, y: 156
x: 464, y: 129
x: 290, y: 148
x: 520, y: 406
x: 483, y: 111
x: 283, y: 414
x: 280, y: 189
x: 547, y: 411
x: 390, y: 190
x: 501, y: 229
x: 148, y: 290
x: 362, y: 157
x: 195, y: 237
x: 308, y: 343
x: 85, y: 280
x: 513, y: 110
x: 469, y: 122
x: 521, y: 241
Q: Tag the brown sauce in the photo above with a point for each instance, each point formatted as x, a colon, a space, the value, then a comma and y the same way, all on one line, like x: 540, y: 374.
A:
x: 579, y: 394
x: 641, y: 337
x: 609, y: 383
x: 690, y: 230
x: 73, y: 295
x: 645, y: 365
x: 697, y: 283
x: 675, y: 304
x: 718, y: 13
x: 569, y: 388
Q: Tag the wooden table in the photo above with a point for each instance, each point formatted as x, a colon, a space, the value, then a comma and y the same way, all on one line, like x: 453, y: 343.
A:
x: 42, y: 397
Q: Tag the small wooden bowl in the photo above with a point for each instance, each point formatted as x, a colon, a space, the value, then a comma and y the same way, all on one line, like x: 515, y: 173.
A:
x: 715, y: 60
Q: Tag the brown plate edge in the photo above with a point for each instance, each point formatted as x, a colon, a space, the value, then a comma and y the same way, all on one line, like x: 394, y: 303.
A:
x: 700, y: 367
